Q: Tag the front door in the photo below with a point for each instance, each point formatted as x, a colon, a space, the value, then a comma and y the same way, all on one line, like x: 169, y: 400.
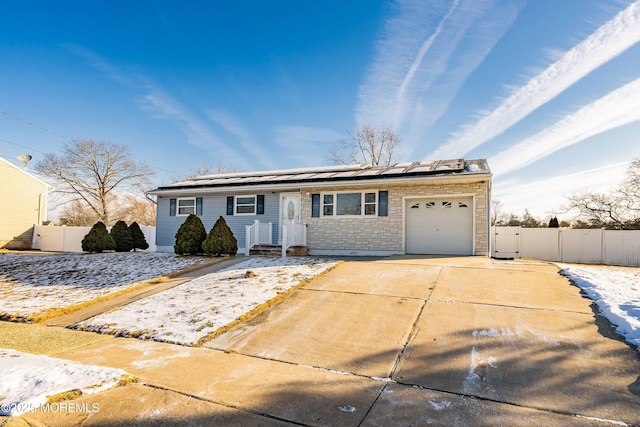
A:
x: 289, y: 210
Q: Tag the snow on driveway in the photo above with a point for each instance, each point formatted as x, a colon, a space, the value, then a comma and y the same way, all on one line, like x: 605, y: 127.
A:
x: 33, y: 283
x: 616, y: 291
x: 193, y: 310
x: 28, y: 379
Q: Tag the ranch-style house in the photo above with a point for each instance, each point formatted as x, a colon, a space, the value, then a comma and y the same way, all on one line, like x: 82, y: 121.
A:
x: 435, y: 207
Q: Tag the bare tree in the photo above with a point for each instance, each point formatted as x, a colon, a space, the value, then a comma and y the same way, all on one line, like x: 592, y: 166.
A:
x: 599, y: 209
x: 135, y: 208
x: 91, y: 171
x: 629, y: 189
x: 207, y: 169
x: 77, y: 213
x: 618, y: 209
x: 368, y: 145
x: 496, y: 208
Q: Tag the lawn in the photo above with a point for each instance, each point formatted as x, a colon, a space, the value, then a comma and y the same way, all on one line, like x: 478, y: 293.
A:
x: 206, y: 306
x: 32, y: 285
x: 185, y: 314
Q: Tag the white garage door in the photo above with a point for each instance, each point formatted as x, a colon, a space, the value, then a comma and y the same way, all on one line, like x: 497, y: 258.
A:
x: 439, y: 226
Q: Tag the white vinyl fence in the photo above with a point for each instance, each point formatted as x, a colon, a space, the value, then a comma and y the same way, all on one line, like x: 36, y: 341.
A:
x: 588, y: 246
x: 69, y: 239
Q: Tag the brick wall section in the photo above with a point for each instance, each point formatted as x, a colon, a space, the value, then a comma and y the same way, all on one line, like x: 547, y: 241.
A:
x: 386, y: 233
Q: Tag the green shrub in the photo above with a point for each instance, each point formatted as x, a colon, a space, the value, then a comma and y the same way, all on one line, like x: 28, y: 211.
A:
x: 122, y: 236
x: 98, y: 239
x: 139, y: 241
x: 190, y: 236
x: 220, y: 240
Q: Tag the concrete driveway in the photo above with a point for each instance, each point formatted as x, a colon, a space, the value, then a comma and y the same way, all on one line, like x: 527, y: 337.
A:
x: 397, y: 341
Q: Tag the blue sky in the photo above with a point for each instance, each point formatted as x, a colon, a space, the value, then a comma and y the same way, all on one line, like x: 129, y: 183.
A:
x: 548, y: 91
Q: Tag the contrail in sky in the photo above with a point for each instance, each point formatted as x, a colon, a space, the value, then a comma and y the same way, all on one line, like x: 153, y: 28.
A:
x: 610, y: 40
x: 617, y: 108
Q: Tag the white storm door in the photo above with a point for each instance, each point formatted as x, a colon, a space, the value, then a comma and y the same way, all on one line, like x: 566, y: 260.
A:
x: 289, y: 210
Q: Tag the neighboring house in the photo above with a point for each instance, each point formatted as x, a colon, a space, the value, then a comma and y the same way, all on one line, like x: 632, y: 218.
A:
x: 438, y: 207
x: 23, y: 204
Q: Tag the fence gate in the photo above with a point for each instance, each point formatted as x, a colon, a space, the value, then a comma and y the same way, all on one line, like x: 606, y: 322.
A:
x: 506, y: 242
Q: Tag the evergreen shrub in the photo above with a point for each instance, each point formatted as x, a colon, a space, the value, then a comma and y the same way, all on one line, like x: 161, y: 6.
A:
x: 190, y: 236
x: 98, y: 239
x: 220, y: 240
x: 122, y: 236
x: 139, y: 241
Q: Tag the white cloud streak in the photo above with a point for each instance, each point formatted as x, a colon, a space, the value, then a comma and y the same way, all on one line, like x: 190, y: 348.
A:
x: 417, y: 61
x: 243, y: 136
x: 420, y: 64
x: 547, y: 196
x: 610, y: 40
x: 306, y: 146
x: 616, y: 109
x: 198, y: 133
x: 151, y: 98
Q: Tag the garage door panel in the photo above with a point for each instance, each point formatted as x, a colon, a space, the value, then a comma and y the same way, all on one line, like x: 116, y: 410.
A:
x: 439, y: 226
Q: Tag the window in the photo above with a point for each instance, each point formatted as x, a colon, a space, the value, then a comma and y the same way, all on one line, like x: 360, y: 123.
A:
x: 327, y: 205
x: 369, y: 203
x: 186, y: 206
x: 245, y: 205
x: 415, y: 206
x: 350, y: 204
x: 446, y: 205
x: 430, y: 205
x: 463, y: 205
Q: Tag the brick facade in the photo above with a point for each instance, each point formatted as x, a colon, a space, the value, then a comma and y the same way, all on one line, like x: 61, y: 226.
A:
x: 385, y: 234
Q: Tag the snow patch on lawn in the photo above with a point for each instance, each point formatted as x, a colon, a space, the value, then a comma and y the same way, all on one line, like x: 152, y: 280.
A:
x: 27, y: 380
x: 616, y: 291
x: 32, y: 283
x: 191, y: 311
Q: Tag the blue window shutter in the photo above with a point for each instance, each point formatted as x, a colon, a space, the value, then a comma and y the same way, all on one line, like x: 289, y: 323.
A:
x: 315, y: 205
x: 199, y: 206
x: 230, y: 205
x: 260, y: 205
x: 383, y: 203
x: 172, y: 207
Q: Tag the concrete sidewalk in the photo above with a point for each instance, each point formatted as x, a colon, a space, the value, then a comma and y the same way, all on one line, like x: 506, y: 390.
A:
x: 398, y: 341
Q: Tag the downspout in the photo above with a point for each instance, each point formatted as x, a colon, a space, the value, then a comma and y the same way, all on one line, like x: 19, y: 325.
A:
x: 489, y: 246
x: 45, y: 205
x: 42, y: 213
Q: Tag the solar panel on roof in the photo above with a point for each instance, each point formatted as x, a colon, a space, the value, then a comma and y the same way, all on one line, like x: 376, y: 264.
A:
x: 422, y: 167
x: 392, y: 171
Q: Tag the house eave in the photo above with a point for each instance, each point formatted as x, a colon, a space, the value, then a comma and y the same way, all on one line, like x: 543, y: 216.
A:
x: 48, y: 187
x: 296, y: 186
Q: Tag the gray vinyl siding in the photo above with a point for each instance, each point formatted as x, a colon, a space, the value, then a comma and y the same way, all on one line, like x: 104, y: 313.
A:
x: 212, y: 208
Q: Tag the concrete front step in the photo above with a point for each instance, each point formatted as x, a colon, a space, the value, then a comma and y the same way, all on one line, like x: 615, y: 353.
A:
x: 276, y: 250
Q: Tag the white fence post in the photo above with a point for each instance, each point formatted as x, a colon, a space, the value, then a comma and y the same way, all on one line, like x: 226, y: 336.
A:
x: 284, y: 239
x: 247, y: 239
